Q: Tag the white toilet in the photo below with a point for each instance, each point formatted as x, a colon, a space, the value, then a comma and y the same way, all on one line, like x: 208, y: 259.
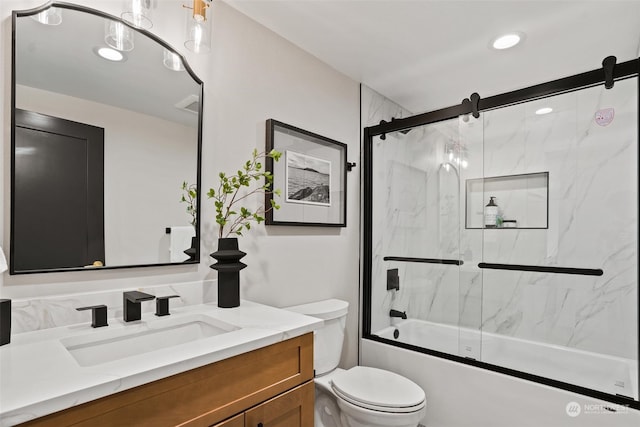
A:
x: 360, y: 396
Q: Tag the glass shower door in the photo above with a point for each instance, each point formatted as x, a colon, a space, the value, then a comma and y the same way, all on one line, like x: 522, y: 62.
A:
x: 416, y: 232
x: 511, y: 239
x: 560, y: 271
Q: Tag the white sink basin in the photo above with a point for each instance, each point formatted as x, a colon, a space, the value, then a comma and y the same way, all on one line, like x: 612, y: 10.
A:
x: 106, y: 345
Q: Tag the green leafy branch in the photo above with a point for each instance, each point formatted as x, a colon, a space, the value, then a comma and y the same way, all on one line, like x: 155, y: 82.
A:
x: 190, y: 196
x: 229, y: 215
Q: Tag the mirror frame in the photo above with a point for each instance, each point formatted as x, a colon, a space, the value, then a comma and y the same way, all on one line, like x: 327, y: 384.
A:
x: 63, y: 5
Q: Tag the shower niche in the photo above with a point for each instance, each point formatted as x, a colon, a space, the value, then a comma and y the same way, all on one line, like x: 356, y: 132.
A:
x: 523, y: 200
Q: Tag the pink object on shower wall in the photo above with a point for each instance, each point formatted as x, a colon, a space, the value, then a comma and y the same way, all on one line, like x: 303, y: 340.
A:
x: 605, y: 116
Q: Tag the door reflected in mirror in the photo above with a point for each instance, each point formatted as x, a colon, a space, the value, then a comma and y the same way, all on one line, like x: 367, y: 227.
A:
x: 109, y: 195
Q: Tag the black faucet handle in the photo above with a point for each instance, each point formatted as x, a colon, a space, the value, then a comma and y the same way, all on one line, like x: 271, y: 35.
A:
x: 162, y: 305
x: 98, y: 315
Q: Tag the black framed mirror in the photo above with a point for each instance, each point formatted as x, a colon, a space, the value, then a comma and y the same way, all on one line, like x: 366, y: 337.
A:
x: 102, y: 142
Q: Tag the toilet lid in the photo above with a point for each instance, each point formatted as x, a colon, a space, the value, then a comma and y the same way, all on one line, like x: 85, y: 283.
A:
x: 378, y: 389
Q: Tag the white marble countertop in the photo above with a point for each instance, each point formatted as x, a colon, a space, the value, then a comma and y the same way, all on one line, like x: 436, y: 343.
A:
x: 38, y: 376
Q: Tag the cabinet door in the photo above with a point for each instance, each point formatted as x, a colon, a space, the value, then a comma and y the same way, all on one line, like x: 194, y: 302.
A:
x: 237, y: 421
x: 291, y: 409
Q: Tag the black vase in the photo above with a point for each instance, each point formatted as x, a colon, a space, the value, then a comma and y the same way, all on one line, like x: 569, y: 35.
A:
x: 228, y: 268
x: 191, y: 252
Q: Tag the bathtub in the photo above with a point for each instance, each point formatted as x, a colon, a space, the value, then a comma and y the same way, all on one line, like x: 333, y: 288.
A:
x: 609, y: 374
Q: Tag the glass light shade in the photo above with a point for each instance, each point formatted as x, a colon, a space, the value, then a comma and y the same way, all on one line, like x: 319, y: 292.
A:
x: 137, y: 13
x: 198, y: 27
x: 118, y: 36
x: 51, y: 16
x: 172, y: 61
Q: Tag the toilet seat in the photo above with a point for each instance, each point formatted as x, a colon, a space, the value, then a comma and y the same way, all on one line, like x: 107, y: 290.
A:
x: 378, y: 390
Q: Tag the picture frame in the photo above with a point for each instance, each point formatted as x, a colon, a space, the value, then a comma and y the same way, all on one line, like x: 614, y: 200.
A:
x: 311, y: 176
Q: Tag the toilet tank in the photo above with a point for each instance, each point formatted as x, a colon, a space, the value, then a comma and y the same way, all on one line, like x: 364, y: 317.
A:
x: 328, y: 340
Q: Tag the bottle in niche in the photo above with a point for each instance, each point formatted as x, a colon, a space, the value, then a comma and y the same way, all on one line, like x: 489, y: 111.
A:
x: 491, y: 213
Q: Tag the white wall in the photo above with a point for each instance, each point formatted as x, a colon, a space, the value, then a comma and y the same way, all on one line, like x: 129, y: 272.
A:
x: 251, y: 75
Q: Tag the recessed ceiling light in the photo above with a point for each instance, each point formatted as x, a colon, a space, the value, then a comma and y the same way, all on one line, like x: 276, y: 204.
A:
x: 506, y: 41
x: 544, y: 110
x: 109, y: 54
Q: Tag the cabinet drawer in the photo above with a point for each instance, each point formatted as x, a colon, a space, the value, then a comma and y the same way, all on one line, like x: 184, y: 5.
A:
x: 291, y: 409
x: 202, y: 396
x: 237, y: 421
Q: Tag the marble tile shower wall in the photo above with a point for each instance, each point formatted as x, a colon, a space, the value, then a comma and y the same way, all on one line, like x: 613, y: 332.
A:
x: 592, y: 221
x: 428, y: 291
x: 374, y: 108
x: 407, y: 176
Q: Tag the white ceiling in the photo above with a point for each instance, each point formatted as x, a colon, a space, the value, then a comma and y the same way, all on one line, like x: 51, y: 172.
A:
x: 427, y: 54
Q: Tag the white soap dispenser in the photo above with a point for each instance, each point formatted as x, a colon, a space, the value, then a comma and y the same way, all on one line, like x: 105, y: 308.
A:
x: 491, y: 213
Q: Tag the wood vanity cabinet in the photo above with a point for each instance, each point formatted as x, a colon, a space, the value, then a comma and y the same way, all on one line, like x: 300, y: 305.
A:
x: 268, y: 387
x: 291, y: 409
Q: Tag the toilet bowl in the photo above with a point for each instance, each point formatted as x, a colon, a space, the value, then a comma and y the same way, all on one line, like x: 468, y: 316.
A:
x: 360, y: 396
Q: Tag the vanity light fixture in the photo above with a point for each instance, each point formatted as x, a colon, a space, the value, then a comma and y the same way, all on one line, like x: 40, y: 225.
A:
x: 172, y: 61
x: 51, y: 16
x: 109, y: 54
x: 544, y: 110
x: 198, y: 27
x: 118, y: 36
x: 507, y: 41
x: 137, y: 13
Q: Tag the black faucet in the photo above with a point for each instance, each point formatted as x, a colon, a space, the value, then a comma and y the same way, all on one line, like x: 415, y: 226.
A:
x: 98, y: 315
x: 396, y: 313
x: 131, y: 304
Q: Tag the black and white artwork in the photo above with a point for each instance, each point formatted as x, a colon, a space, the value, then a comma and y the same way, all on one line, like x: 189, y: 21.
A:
x: 308, y: 179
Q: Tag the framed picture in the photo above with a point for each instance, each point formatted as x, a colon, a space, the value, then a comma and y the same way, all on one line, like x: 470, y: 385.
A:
x: 311, y: 176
